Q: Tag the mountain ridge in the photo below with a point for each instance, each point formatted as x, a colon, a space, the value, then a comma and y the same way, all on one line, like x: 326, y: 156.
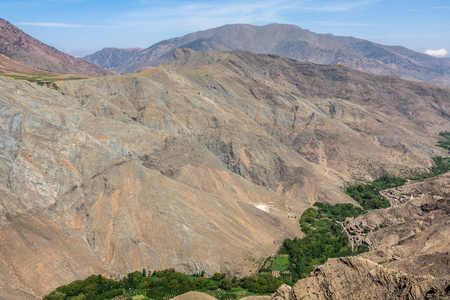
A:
x: 19, y: 46
x: 292, y: 42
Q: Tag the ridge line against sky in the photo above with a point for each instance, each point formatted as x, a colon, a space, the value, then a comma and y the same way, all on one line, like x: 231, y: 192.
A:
x: 81, y: 27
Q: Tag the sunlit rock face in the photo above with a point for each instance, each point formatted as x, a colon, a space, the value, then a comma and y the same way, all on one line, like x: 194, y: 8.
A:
x: 170, y: 167
x: 358, y: 278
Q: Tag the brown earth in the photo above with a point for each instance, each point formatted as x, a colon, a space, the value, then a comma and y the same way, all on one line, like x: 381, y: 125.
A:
x: 166, y: 168
x: 358, y: 278
x: 257, y: 298
x: 10, y: 66
x: 24, y: 49
x: 194, y: 296
x: 15, y: 69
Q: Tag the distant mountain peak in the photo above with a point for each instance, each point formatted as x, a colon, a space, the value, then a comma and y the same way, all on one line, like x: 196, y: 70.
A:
x: 289, y: 41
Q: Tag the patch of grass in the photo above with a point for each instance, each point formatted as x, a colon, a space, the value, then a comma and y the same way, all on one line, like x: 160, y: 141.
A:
x: 282, y: 260
x: 319, y: 224
x: 444, y: 144
x: 344, y: 249
x: 42, y: 79
x: 279, y: 268
x: 199, y: 73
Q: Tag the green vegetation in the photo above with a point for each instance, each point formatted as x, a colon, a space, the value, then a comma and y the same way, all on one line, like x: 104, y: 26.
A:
x: 368, y: 194
x: 296, y: 258
x: 165, y: 284
x: 324, y: 239
x: 48, y: 81
x: 282, y: 260
x: 446, y: 144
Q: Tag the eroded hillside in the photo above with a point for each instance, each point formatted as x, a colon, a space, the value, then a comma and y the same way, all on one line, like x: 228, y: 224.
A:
x: 415, y: 231
x: 30, y: 55
x: 199, y: 165
x: 358, y: 278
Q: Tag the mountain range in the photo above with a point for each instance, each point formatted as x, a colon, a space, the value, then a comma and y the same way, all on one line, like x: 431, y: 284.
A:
x: 207, y: 162
x: 197, y: 165
x: 288, y: 41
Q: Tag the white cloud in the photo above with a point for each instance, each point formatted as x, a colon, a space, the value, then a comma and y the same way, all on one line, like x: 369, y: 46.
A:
x: 437, y: 53
x: 204, y: 14
x: 336, y: 6
x: 62, y: 25
x: 349, y: 24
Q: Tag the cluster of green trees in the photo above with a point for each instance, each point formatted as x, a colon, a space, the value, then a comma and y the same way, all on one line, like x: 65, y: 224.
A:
x: 445, y: 144
x: 163, y: 284
x: 93, y: 287
x: 367, y: 195
x: 338, y: 212
x: 324, y: 238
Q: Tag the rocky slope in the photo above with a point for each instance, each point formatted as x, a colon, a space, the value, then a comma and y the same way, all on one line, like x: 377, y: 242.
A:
x: 197, y: 165
x: 358, y: 278
x: 76, y: 199
x: 288, y: 41
x: 355, y: 123
x: 9, y: 66
x: 416, y: 234
x: 112, y: 58
x: 18, y: 46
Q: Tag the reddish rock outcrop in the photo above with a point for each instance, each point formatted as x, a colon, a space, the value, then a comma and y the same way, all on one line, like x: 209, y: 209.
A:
x: 19, y: 46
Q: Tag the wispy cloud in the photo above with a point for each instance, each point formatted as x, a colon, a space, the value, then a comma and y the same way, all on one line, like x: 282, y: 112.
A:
x: 334, y: 6
x: 207, y: 14
x: 204, y: 15
x: 349, y: 24
x: 437, y: 53
x: 62, y: 25
x: 414, y: 10
x: 37, y: 2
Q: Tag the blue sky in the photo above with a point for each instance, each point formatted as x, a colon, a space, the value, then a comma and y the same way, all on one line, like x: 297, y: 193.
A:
x: 81, y: 27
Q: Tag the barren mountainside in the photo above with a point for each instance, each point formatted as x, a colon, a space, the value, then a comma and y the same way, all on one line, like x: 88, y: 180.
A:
x: 112, y: 58
x: 198, y: 165
x: 415, y: 234
x: 288, y: 41
x: 357, y: 278
x: 18, y: 46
